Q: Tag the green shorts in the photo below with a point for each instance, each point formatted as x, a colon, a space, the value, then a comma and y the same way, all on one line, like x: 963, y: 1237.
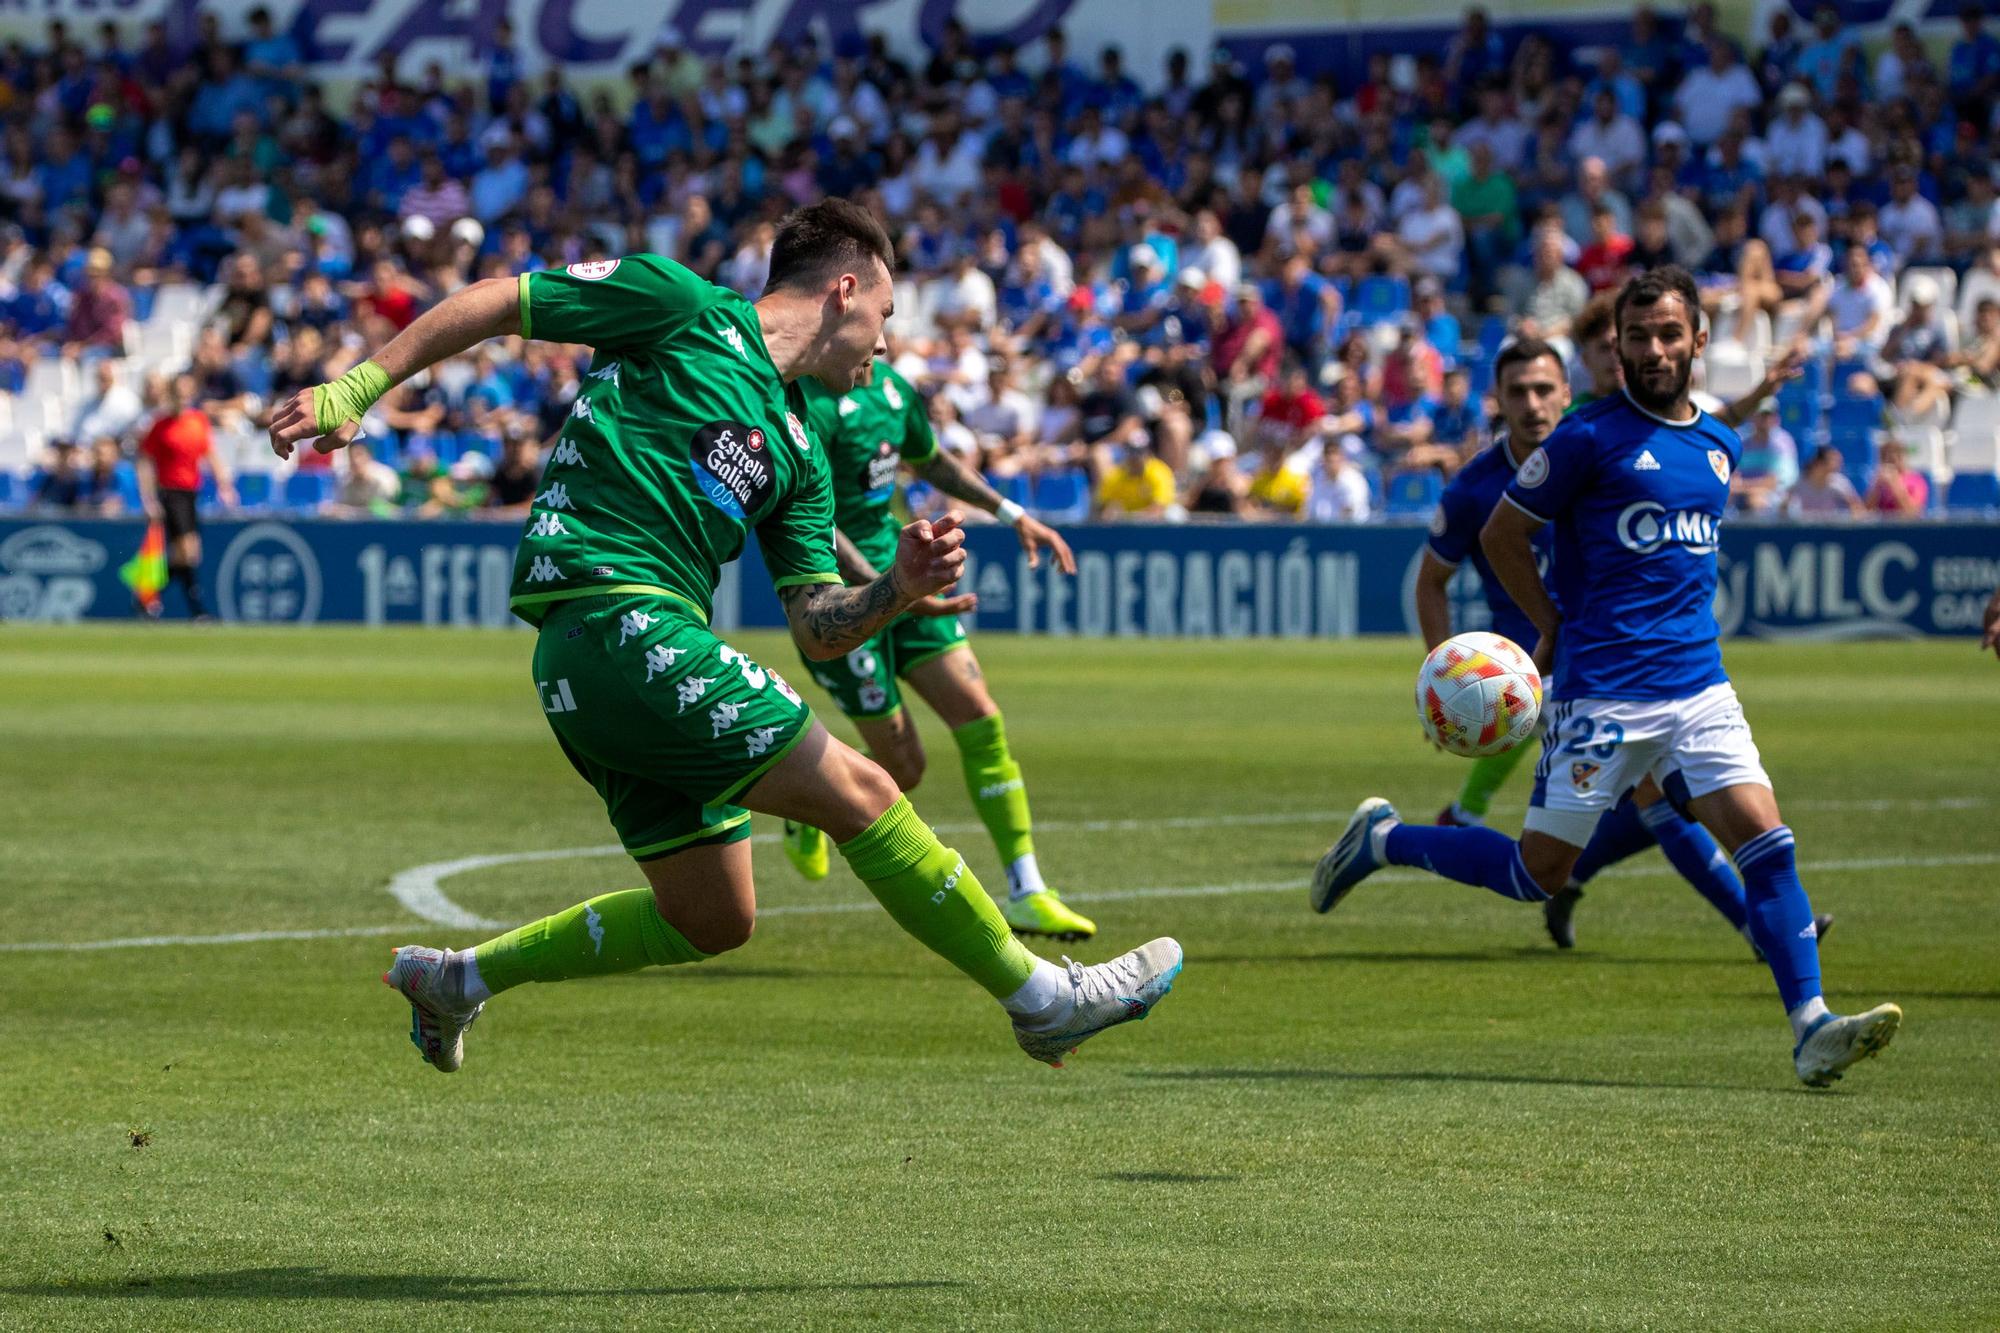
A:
x: 864, y: 685
x: 665, y: 720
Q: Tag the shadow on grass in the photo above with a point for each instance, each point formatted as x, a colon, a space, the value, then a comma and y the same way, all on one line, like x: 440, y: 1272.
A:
x: 317, y: 1284
x: 1523, y: 954
x: 1163, y: 1178
x: 1426, y: 1076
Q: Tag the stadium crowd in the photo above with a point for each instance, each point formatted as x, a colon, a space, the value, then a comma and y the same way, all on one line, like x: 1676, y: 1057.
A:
x: 1240, y: 293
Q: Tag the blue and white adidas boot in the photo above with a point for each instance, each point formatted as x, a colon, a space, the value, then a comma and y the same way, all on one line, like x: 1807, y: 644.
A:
x: 1354, y: 857
x: 1837, y: 1041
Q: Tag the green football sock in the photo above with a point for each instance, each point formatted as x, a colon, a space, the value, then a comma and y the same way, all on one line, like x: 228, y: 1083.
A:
x: 931, y: 894
x: 994, y: 781
x: 616, y: 932
x: 1488, y: 775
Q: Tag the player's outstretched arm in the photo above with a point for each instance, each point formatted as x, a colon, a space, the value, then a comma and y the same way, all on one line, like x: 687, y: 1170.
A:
x: 955, y: 478
x: 828, y: 620
x: 856, y: 569
x: 1434, y: 600
x: 329, y: 415
x: 1787, y: 367
x: 1508, y: 539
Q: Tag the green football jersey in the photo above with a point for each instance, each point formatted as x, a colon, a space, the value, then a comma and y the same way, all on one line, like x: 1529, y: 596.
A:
x: 683, y: 438
x: 866, y: 433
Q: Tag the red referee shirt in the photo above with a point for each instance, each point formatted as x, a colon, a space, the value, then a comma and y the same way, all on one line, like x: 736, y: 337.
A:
x: 176, y: 445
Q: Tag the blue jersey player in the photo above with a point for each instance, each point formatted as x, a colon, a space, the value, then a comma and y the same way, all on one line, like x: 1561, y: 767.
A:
x: 1634, y: 488
x: 1533, y: 391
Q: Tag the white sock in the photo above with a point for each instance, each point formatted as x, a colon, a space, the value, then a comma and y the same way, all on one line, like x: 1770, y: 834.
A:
x: 1806, y: 1015
x: 1378, y: 839
x: 1024, y: 877
x: 1465, y: 816
x: 1045, y: 998
x: 475, y: 990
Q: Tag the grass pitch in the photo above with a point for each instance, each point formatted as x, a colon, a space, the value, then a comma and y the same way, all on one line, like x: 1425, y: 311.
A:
x: 1410, y: 1114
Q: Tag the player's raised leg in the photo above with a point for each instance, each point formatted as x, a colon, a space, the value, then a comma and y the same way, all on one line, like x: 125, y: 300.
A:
x: 952, y: 683
x: 931, y: 893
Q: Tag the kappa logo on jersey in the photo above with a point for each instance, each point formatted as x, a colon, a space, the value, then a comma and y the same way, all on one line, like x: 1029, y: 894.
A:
x: 732, y: 467
x: 889, y: 394
x: 555, y: 497
x: 753, y: 675
x: 569, y: 455
x: 734, y: 337
x: 609, y: 374
x: 1647, y: 526
x: 548, y: 525
x: 723, y: 716
x: 593, y: 270
x: 594, y: 923
x: 1718, y: 462
x: 581, y: 411
x: 543, y: 570
x: 632, y: 624
x: 760, y: 740
x: 879, y: 485
x: 660, y: 659
x: 1645, y: 462
x: 689, y: 690
x: 1580, y: 775
x: 799, y: 436
x: 848, y: 407
x: 1533, y: 472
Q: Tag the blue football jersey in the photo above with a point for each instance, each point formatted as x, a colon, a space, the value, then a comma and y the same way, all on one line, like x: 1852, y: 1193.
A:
x: 1635, y: 502
x: 1462, y: 511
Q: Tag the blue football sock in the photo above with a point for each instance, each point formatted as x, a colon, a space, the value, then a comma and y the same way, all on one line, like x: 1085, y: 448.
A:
x: 1619, y: 834
x: 1481, y: 856
x: 1781, y: 918
x: 1700, y: 861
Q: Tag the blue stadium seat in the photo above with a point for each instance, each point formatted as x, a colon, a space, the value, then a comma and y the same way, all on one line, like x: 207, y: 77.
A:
x: 1063, y: 496
x: 1973, y: 493
x: 1852, y: 423
x: 308, y: 490
x: 128, y: 491
x: 1799, y: 409
x: 253, y: 490
x: 471, y: 443
x: 1492, y: 332
x: 142, y: 302
x: 204, y: 498
x: 1379, y: 297
x: 1015, y: 488
x: 1413, y: 494
x: 9, y: 489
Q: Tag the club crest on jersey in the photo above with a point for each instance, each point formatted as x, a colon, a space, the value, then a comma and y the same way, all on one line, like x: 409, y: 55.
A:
x: 880, y: 484
x: 1719, y: 461
x: 1580, y: 775
x: 732, y: 467
x: 799, y: 436
x: 593, y: 270
x: 1535, y: 471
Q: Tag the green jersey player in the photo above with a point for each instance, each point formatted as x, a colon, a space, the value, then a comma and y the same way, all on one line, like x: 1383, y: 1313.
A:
x: 867, y: 433
x: 688, y: 433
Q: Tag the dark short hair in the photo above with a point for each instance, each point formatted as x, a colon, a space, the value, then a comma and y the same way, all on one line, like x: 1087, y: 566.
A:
x: 1596, y: 317
x: 1654, y: 286
x: 1519, y: 353
x: 816, y: 244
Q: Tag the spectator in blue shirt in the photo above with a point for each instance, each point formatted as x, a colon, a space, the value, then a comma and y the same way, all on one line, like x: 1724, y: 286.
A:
x: 1974, y: 68
x: 226, y: 91
x: 271, y: 57
x: 40, y: 305
x: 1835, y: 50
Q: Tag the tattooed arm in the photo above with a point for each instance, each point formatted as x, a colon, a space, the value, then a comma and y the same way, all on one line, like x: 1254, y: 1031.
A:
x: 953, y: 477
x: 828, y: 621
x: 857, y: 569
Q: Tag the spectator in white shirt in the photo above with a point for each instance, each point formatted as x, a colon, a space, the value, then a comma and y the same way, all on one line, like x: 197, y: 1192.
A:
x: 1796, y: 142
x: 1298, y: 211
x: 1861, y: 304
x: 1824, y: 491
x: 1095, y: 143
x: 1613, y: 137
x: 1775, y: 225
x: 1910, y: 223
x: 1337, y: 489
x: 1710, y: 95
x: 1497, y: 129
x: 966, y: 294
x: 1213, y: 252
x: 1432, y: 234
x: 108, y: 413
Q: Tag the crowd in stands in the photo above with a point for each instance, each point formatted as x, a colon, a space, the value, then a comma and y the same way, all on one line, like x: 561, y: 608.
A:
x: 1238, y: 293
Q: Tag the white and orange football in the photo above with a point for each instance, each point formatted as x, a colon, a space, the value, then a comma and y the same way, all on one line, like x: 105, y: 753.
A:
x: 1479, y: 694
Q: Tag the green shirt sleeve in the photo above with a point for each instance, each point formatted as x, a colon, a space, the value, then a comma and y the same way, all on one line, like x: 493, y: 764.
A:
x: 798, y: 536
x: 631, y: 302
x: 919, y: 440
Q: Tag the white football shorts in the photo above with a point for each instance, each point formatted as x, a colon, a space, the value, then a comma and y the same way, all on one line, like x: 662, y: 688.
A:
x: 1595, y: 750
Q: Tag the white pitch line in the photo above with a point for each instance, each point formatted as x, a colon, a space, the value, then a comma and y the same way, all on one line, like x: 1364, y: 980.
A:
x: 846, y: 905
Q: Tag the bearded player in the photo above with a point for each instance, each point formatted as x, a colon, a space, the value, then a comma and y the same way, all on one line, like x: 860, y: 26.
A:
x: 867, y: 432
x: 1635, y: 487
x: 687, y: 434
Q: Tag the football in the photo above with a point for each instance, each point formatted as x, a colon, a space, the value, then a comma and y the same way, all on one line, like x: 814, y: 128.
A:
x: 1479, y: 694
